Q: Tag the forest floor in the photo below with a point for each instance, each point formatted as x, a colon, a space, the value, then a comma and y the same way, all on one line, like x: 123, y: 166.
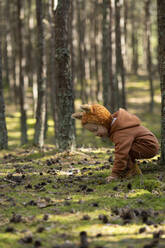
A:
x: 50, y: 199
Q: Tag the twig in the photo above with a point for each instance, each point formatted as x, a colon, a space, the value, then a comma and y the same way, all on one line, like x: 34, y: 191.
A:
x: 9, y: 181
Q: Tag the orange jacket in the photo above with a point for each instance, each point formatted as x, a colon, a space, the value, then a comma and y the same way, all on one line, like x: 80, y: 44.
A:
x: 130, y: 138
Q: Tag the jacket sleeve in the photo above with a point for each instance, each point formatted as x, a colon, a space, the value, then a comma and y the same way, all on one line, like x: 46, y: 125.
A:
x: 123, y: 145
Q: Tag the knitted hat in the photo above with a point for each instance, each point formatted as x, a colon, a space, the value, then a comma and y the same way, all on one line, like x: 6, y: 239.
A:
x: 95, y: 114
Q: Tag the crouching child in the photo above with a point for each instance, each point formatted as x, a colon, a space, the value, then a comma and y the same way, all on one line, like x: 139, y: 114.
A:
x: 132, y: 140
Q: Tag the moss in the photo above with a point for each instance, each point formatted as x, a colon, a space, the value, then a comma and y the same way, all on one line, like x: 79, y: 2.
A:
x: 65, y: 199
x: 151, y: 184
x: 55, y: 197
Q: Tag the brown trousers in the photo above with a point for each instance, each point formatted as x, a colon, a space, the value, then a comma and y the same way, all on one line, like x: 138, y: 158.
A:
x: 142, y: 149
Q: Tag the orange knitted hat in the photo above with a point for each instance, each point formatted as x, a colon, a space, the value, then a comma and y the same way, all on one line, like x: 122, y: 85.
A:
x: 95, y: 114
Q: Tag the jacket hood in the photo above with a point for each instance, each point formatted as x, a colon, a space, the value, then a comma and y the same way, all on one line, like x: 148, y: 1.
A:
x: 96, y: 114
x: 124, y: 120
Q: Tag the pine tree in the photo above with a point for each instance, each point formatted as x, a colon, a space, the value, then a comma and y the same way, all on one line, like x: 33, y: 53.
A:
x: 65, y: 136
x: 41, y: 103
x: 3, y: 128
x: 161, y: 42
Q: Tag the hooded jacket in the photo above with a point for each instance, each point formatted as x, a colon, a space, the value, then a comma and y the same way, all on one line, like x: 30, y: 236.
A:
x: 129, y: 138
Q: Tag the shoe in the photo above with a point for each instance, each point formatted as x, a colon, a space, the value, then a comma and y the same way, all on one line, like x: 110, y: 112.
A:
x: 134, y: 171
x: 112, y: 178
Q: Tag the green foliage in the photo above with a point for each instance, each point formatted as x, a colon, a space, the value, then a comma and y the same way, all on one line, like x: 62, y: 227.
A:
x: 151, y: 184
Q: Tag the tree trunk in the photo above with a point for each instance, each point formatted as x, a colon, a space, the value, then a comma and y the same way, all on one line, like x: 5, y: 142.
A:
x: 134, y: 41
x: 52, y: 82
x: 13, y: 32
x: 65, y: 134
x: 3, y: 129
x: 5, y: 45
x: 111, y: 64
x: 161, y: 44
x: 105, y: 55
x: 91, y: 41
x: 120, y: 72
x: 41, y: 82
x: 96, y: 48
x: 148, y: 51
x: 126, y: 8
x: 29, y: 59
x: 81, y: 48
x: 21, y: 79
x: 71, y: 28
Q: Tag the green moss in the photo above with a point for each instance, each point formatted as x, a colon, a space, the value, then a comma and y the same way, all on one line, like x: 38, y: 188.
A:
x: 75, y: 186
x: 66, y: 203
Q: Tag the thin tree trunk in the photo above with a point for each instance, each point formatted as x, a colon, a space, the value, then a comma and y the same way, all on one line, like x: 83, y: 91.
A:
x: 81, y: 47
x: 96, y: 47
x: 29, y: 60
x: 111, y: 68
x: 21, y: 79
x: 148, y: 51
x: 71, y: 41
x: 161, y: 44
x: 134, y: 41
x: 41, y: 82
x: 3, y: 128
x: 120, y: 72
x: 105, y: 54
x: 13, y: 32
x: 52, y: 68
x: 46, y: 120
x: 126, y: 7
x: 91, y: 57
x: 5, y: 50
x: 15, y: 88
x: 72, y: 52
x: 6, y: 62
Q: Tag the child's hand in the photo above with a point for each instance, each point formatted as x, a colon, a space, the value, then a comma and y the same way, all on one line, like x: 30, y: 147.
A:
x: 98, y: 130
x: 112, y: 179
x: 91, y: 127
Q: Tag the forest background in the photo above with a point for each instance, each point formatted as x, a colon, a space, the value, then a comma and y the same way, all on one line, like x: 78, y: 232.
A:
x: 110, y: 48
x: 55, y: 56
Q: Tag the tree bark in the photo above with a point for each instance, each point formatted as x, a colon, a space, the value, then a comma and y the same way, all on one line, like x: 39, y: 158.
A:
x: 5, y: 50
x: 91, y: 57
x: 161, y: 47
x: 21, y: 79
x: 41, y: 82
x: 96, y: 48
x: 5, y: 39
x: 81, y: 48
x: 3, y: 128
x: 29, y: 49
x: 65, y: 134
x: 126, y: 8
x: 134, y: 42
x: 148, y: 51
x: 105, y: 54
x: 111, y: 63
x: 120, y: 72
x: 52, y: 68
x: 71, y: 34
x: 14, y: 55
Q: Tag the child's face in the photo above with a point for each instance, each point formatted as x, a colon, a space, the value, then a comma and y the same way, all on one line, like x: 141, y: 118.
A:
x: 98, y: 130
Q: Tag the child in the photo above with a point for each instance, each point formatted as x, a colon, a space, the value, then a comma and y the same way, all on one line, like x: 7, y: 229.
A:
x: 132, y: 141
